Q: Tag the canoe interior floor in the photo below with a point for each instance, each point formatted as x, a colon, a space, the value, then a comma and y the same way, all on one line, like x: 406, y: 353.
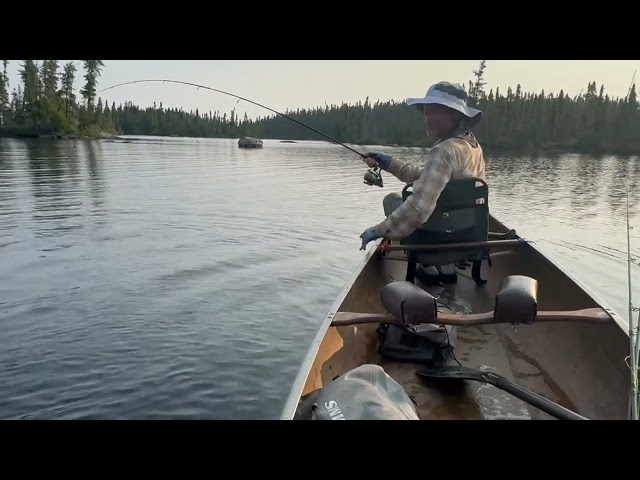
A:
x: 475, y: 347
x: 440, y: 399
x: 579, y: 366
x: 482, y: 347
x: 462, y: 399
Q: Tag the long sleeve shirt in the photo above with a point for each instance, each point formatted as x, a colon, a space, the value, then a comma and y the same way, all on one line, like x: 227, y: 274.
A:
x: 454, y: 158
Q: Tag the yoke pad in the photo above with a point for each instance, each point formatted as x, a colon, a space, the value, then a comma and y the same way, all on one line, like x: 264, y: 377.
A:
x: 409, y: 303
x: 517, y: 300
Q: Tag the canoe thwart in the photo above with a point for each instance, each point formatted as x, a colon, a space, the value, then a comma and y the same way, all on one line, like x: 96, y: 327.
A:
x: 384, y: 247
x: 515, y: 303
x: 588, y: 315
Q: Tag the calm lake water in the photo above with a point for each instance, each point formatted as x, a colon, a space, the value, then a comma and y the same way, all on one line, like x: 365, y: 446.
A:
x: 185, y: 278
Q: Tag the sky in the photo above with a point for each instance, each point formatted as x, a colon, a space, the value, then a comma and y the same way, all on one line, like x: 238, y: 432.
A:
x: 282, y: 84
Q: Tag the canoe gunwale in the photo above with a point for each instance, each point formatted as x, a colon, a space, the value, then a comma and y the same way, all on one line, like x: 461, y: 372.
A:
x: 291, y: 404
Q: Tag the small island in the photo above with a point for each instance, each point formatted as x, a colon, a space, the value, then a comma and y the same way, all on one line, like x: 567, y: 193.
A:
x: 45, y: 105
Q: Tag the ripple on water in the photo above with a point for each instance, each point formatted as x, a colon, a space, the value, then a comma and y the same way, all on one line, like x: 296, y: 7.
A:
x: 185, y: 278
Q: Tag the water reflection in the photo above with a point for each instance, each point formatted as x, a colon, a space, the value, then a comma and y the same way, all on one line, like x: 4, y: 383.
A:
x: 586, y: 188
x: 9, y: 205
x: 57, y: 194
x: 578, y: 185
x: 6, y: 155
x: 616, y: 190
x: 185, y: 278
x: 96, y: 180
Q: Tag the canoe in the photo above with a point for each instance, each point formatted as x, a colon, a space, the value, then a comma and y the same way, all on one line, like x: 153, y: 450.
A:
x: 564, y: 359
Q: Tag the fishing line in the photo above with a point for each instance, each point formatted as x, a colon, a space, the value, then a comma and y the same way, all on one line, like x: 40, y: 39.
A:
x: 239, y: 98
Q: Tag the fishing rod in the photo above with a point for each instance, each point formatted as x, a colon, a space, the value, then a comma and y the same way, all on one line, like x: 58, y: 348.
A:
x: 634, y: 345
x: 372, y: 177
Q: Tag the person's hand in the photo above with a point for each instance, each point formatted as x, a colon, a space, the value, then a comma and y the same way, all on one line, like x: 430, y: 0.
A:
x: 378, y: 160
x: 368, y: 236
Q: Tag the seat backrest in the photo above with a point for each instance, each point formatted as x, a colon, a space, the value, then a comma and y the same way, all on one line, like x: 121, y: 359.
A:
x: 461, y: 215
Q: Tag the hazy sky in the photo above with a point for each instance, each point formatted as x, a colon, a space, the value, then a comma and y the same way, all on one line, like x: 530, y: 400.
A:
x: 282, y: 84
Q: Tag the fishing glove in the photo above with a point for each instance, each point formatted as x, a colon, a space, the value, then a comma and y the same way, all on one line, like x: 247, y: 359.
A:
x: 383, y: 161
x: 368, y: 236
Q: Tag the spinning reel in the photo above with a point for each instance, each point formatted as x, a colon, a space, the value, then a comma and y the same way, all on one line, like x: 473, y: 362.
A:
x: 373, y: 176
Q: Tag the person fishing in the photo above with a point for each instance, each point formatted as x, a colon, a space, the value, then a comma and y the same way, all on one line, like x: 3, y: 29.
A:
x: 456, y: 154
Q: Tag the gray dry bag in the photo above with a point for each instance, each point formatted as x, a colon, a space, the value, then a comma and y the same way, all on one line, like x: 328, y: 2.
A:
x: 364, y: 393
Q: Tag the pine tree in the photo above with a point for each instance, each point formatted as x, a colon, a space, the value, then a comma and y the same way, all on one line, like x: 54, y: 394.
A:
x: 477, y: 91
x: 67, y: 94
x: 5, y: 110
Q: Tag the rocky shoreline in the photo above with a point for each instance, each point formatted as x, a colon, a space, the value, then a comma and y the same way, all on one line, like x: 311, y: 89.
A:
x: 64, y: 136
x: 24, y: 133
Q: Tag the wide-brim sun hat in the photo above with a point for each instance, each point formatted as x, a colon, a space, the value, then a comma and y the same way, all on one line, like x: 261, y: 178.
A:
x: 450, y: 95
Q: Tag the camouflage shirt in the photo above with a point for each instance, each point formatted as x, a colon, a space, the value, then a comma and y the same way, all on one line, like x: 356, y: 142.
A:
x: 454, y: 158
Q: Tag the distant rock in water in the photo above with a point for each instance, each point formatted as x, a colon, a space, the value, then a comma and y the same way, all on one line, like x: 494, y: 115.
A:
x: 288, y: 141
x: 249, y: 142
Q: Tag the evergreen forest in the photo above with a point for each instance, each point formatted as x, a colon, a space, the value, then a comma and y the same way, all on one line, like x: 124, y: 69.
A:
x: 45, y: 103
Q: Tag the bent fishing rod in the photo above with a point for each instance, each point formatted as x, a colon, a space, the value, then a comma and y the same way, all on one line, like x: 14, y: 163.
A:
x: 372, y: 177
x: 634, y: 343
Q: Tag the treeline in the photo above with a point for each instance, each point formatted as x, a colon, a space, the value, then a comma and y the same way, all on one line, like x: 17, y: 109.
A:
x: 45, y: 102
x: 591, y: 121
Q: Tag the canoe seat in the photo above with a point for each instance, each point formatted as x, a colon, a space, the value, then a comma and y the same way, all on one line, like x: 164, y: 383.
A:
x: 461, y: 215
